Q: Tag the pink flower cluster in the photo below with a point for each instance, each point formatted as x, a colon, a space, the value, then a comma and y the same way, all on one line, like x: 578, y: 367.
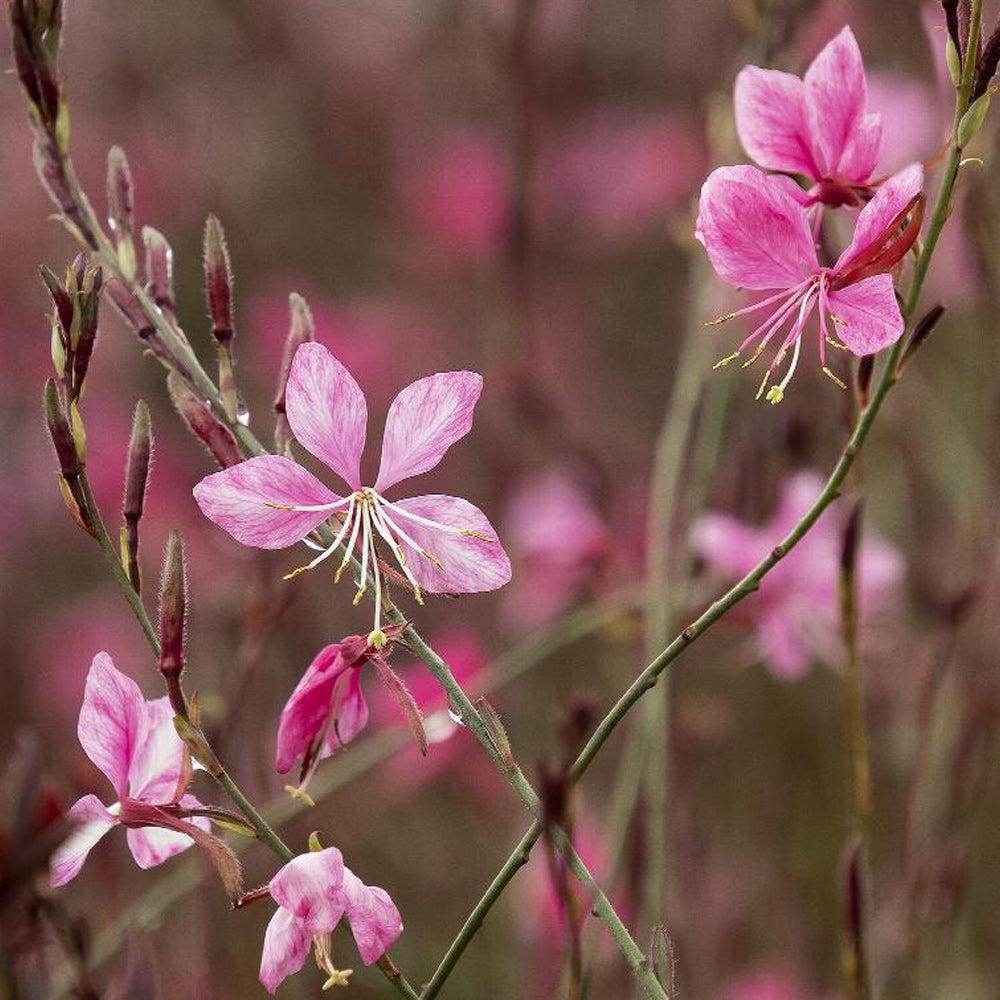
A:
x: 761, y: 230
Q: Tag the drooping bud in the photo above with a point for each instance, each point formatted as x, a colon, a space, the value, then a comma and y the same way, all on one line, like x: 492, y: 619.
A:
x: 400, y: 694
x: 173, y: 616
x: 219, y: 290
x: 203, y: 424
x: 301, y: 330
x: 159, y: 269
x: 136, y: 481
x: 121, y: 203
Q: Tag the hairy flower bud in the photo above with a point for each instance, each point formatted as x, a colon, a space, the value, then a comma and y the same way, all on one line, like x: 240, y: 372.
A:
x: 301, y: 330
x: 121, y: 210
x: 136, y: 480
x: 203, y: 424
x: 159, y: 269
x: 218, y: 281
x: 70, y: 465
x: 173, y: 615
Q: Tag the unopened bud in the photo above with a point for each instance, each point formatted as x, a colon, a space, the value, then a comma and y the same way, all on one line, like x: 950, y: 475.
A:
x: 218, y: 281
x: 159, y: 268
x: 70, y: 465
x: 205, y: 426
x: 986, y: 66
x: 972, y: 120
x: 136, y: 480
x: 173, y: 613
x: 88, y: 306
x: 495, y: 728
x: 866, y: 369
x: 301, y: 330
x: 121, y: 210
x: 61, y: 299
x: 400, y: 693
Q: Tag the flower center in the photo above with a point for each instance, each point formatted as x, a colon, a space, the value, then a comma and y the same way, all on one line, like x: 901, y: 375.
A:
x: 368, y: 517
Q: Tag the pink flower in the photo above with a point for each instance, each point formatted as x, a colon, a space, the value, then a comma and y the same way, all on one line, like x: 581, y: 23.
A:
x: 560, y: 540
x: 134, y: 744
x: 797, y: 609
x: 819, y: 126
x: 757, y: 236
x: 313, y: 892
x: 442, y: 544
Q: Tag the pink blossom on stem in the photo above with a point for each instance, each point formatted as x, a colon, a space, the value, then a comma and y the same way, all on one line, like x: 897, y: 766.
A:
x: 797, y: 610
x: 133, y: 742
x: 442, y: 544
x: 758, y: 236
x: 818, y: 126
x: 313, y: 892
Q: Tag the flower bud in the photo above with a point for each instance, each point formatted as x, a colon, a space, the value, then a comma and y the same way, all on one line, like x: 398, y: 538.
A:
x: 986, y: 65
x: 301, y: 330
x: 173, y: 615
x: 70, y: 465
x: 136, y: 481
x: 159, y: 268
x: 203, y: 424
x: 218, y: 281
x: 88, y: 306
x: 972, y: 120
x: 121, y: 210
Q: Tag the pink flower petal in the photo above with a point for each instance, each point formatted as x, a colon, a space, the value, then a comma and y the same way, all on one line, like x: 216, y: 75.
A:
x: 730, y: 547
x: 309, y: 706
x: 327, y: 411
x: 470, y: 564
x: 151, y: 846
x: 781, y: 646
x: 112, y: 720
x: 838, y: 97
x: 871, y: 314
x: 310, y: 887
x: 863, y: 150
x: 236, y: 500
x: 91, y: 821
x: 286, y: 947
x: 757, y: 236
x: 424, y: 421
x: 156, y: 764
x: 890, y: 199
x: 375, y: 921
x: 772, y: 120
x: 351, y: 714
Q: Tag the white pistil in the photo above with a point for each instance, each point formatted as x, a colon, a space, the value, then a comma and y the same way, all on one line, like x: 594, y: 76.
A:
x: 379, y: 520
x: 366, y: 544
x: 349, y: 550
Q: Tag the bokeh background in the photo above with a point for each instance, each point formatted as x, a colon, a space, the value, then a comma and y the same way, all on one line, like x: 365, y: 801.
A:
x: 510, y: 186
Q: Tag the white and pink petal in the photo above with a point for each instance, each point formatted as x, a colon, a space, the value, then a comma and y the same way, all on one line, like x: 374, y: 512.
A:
x: 286, y: 947
x: 424, y: 421
x: 327, y: 412
x: 239, y: 501
x: 310, y: 887
x: 375, y: 921
x: 868, y: 315
x: 90, y: 820
x: 461, y: 563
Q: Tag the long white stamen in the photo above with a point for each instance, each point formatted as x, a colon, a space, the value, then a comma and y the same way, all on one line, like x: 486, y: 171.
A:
x: 435, y: 524
x: 350, y: 548
x: 409, y: 539
x: 306, y: 508
x: 327, y: 551
x: 379, y: 520
x: 366, y: 543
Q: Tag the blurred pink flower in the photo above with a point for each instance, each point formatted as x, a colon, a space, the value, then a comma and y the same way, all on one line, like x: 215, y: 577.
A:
x: 313, y: 892
x: 757, y: 236
x: 796, y: 610
x: 558, y: 539
x: 819, y: 126
x: 462, y: 194
x: 134, y: 744
x: 612, y: 173
x: 767, y: 984
x: 271, y: 502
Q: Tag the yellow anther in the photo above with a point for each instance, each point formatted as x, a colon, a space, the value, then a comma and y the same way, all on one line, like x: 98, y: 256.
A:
x: 418, y: 594
x: 756, y: 354
x: 340, y: 570
x: 838, y: 320
x: 827, y: 372
x: 725, y: 361
x: 433, y: 558
x: 475, y: 534
x: 300, y: 794
x: 295, y: 572
x: 760, y: 391
x: 278, y: 506
x: 720, y: 320
x: 775, y: 395
x: 359, y: 594
x: 836, y: 343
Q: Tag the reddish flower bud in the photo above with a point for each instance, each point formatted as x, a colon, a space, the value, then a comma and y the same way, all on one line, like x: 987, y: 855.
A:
x: 218, y: 281
x: 159, y: 268
x: 301, y: 330
x: 173, y: 615
x: 136, y: 480
x: 205, y: 426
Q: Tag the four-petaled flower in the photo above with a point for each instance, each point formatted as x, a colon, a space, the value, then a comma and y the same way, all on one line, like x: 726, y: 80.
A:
x: 797, y: 610
x: 313, y: 892
x: 442, y: 544
x: 818, y: 126
x: 134, y: 743
x: 757, y: 236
